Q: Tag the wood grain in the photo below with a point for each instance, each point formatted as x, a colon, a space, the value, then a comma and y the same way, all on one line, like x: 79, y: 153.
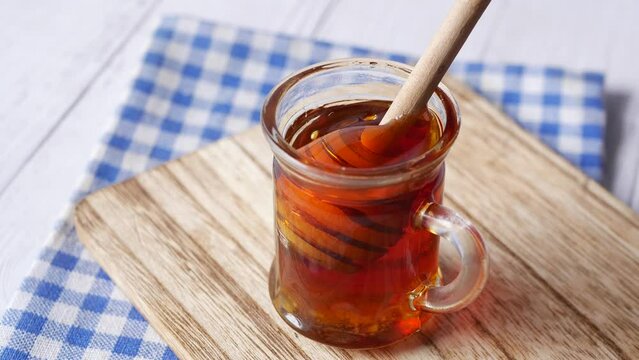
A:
x: 191, y: 244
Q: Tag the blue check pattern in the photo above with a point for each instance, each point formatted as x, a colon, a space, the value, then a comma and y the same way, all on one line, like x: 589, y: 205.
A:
x: 199, y: 82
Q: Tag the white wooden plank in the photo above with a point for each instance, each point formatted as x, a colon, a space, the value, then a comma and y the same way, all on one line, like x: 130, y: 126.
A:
x: 51, y: 51
x: 295, y: 17
x: 391, y: 26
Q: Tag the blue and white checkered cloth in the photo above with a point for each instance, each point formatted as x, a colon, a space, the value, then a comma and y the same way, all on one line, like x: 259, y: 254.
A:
x: 200, y: 82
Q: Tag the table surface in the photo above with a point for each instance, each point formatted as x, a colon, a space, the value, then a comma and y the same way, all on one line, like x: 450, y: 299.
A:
x: 68, y: 66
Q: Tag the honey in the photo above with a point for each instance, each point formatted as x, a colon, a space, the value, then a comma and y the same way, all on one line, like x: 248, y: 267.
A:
x: 346, y: 266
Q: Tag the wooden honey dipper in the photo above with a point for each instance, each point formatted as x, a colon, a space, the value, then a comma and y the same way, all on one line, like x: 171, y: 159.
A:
x: 412, y: 100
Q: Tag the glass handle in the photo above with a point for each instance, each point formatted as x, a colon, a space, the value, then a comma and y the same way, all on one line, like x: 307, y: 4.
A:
x: 473, y: 274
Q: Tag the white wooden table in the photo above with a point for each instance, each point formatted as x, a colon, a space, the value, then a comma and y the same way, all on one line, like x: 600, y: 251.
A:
x: 67, y: 66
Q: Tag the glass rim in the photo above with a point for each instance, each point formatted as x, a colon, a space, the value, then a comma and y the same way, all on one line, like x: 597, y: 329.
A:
x: 381, y: 175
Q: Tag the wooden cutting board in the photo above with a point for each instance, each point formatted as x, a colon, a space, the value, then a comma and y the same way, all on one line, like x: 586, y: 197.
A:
x: 191, y: 242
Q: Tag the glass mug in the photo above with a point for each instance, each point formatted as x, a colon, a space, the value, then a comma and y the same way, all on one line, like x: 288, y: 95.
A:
x: 356, y: 262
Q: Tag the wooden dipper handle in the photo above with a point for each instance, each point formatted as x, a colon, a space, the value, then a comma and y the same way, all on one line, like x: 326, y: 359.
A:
x: 413, y: 97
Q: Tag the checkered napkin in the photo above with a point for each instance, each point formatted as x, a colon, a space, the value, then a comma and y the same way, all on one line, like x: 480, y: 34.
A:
x: 200, y: 82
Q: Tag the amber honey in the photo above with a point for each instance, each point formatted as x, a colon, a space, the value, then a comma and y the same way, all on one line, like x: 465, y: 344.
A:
x: 349, y: 260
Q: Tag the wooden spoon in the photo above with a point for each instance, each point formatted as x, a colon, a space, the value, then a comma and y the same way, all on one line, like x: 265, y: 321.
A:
x: 412, y: 99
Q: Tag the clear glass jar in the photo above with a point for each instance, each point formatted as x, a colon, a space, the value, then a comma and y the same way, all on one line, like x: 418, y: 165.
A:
x: 356, y: 261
